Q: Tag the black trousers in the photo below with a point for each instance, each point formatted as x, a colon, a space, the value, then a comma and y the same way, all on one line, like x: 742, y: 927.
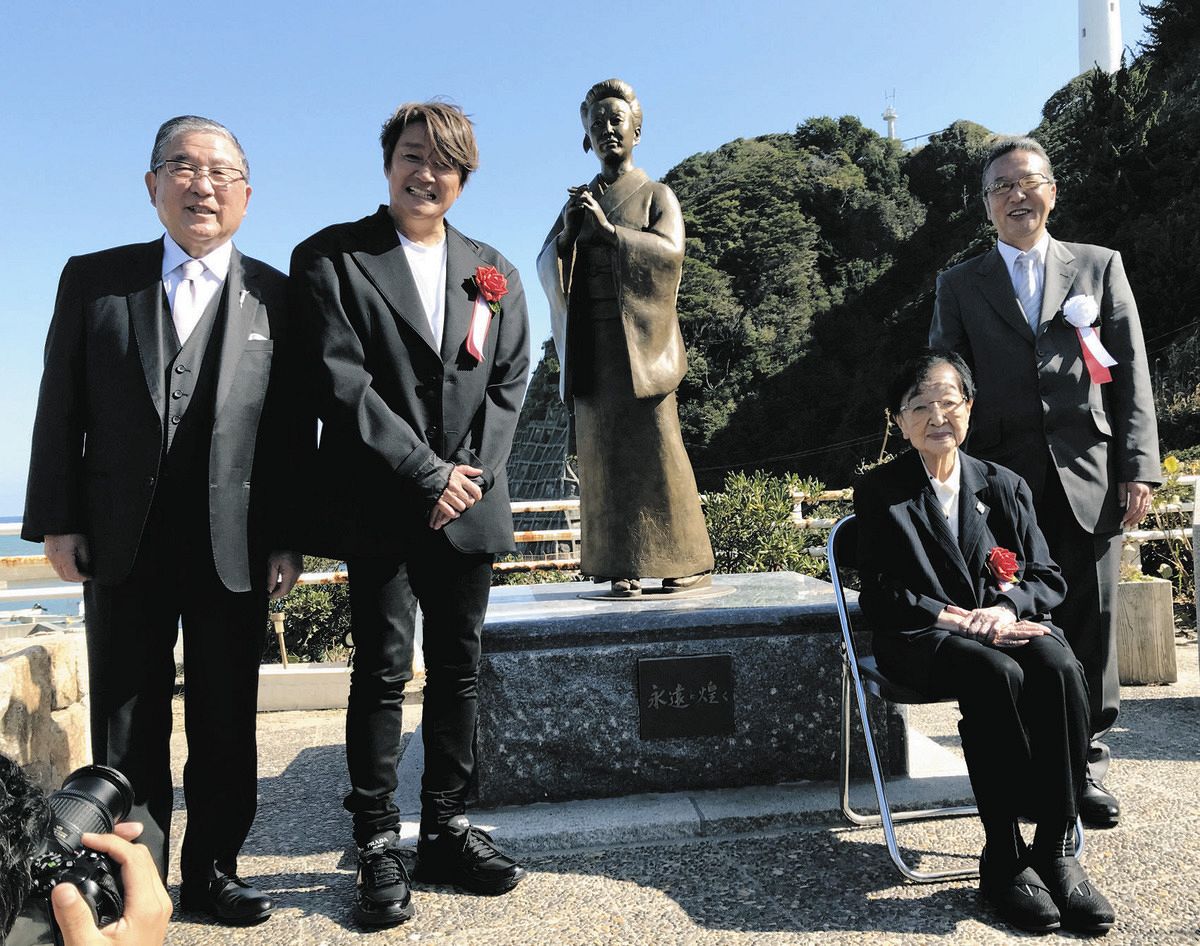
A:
x: 1024, y: 720
x: 452, y: 591
x: 131, y: 633
x: 1090, y: 564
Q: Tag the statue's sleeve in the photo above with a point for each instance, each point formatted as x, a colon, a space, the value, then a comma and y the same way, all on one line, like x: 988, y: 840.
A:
x: 649, y: 266
x: 657, y: 245
x: 554, y: 273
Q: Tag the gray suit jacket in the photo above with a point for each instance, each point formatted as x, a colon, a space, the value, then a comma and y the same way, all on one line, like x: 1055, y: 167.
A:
x: 1033, y: 394
x: 98, y: 433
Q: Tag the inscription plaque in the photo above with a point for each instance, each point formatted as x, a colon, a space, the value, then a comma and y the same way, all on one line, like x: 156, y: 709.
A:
x: 680, y: 697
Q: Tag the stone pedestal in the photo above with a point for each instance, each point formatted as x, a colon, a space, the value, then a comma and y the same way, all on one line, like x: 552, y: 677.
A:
x: 560, y: 714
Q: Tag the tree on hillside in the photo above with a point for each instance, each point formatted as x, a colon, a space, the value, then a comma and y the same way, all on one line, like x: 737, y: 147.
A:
x: 812, y: 257
x: 780, y: 229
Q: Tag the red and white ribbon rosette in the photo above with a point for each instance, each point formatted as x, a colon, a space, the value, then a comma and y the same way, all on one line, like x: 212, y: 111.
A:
x: 1083, y: 312
x: 491, y: 287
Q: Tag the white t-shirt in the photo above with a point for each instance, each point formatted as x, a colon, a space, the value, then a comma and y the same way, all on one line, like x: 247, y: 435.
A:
x: 428, y: 265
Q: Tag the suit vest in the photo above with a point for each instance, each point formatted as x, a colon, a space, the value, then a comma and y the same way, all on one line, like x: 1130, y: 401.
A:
x: 188, y: 414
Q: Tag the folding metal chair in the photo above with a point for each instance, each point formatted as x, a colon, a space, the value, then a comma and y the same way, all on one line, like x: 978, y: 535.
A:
x: 864, y: 675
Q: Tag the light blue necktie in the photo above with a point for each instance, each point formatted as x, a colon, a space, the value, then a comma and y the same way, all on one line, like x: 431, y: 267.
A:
x: 1026, y: 284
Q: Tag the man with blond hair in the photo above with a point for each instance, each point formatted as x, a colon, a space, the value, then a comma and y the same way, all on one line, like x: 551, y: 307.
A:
x: 422, y: 347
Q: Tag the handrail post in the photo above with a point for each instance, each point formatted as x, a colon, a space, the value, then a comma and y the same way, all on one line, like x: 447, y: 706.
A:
x: 1196, y: 546
x: 277, y: 620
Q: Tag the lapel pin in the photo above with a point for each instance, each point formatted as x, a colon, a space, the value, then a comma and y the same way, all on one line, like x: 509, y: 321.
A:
x: 242, y: 297
x: 980, y: 507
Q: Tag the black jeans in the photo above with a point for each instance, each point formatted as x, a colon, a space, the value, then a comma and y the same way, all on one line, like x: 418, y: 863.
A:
x: 452, y: 591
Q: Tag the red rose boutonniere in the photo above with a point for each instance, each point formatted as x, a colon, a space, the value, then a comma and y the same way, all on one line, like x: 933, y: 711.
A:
x: 491, y: 287
x: 1003, y: 565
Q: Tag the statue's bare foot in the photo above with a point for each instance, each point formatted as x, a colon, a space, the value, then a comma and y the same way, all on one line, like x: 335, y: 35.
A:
x: 626, y: 587
x: 690, y: 583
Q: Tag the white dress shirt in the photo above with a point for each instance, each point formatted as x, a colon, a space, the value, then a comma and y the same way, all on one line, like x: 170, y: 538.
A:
x: 947, y: 492
x: 216, y: 269
x: 1010, y: 253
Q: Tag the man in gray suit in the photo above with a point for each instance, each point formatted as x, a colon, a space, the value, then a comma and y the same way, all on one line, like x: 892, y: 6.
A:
x: 162, y: 477
x: 1052, y: 332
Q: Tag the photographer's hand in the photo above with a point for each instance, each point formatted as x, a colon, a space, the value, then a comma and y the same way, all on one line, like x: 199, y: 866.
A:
x: 147, y: 905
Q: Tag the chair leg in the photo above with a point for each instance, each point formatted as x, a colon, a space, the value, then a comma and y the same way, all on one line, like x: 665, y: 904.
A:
x: 886, y: 818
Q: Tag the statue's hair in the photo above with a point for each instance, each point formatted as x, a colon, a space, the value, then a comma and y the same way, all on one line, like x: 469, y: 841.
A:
x: 186, y: 124
x: 449, y: 134
x: 1001, y: 145
x: 611, y: 89
x: 24, y: 816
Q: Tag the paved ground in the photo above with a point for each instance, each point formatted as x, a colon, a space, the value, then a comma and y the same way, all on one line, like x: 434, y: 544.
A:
x: 751, y: 866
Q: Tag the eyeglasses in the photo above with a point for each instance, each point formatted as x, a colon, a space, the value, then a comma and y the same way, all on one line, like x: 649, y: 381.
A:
x: 1030, y: 182
x: 921, y: 410
x: 185, y: 173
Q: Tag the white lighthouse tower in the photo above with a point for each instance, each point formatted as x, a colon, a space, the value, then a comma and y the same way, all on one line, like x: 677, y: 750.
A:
x: 1100, y: 35
x: 890, y: 114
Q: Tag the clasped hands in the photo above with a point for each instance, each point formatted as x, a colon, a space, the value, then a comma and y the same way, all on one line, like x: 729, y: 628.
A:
x: 584, y: 220
x: 997, y: 625
x: 460, y: 494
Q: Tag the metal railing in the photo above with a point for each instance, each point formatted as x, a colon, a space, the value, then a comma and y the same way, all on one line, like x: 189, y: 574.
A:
x: 1187, y: 513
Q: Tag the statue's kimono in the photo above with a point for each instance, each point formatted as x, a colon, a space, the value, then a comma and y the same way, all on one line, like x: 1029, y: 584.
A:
x: 622, y: 357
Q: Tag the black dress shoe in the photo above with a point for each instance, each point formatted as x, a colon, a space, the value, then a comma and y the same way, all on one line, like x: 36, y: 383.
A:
x: 1018, y: 894
x: 227, y: 898
x: 1097, y: 807
x: 468, y: 857
x: 1083, y: 908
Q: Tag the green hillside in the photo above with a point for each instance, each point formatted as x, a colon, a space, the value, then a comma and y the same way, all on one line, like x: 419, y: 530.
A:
x: 812, y: 258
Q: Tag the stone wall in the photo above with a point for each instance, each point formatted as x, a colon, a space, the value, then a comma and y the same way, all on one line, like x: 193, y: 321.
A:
x: 43, y: 720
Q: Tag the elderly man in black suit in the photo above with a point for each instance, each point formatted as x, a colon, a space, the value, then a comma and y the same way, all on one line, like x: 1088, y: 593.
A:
x: 1051, y: 330
x: 420, y: 338
x: 164, y: 450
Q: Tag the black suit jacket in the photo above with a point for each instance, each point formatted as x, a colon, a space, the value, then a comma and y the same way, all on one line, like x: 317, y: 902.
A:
x: 1035, y: 393
x: 911, y: 567
x: 98, y: 433
x: 398, y: 413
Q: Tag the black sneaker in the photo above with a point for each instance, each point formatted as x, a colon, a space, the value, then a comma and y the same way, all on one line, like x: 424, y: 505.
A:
x: 382, y: 892
x: 467, y: 857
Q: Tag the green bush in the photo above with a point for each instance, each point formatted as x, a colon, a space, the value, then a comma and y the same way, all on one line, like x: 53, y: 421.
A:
x: 750, y: 524
x: 542, y: 576
x: 317, y: 620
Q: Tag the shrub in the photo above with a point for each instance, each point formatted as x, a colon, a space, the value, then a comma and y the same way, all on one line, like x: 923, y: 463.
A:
x: 317, y: 620
x: 750, y: 524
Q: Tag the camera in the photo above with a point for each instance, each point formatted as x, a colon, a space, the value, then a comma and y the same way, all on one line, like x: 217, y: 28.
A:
x: 92, y: 799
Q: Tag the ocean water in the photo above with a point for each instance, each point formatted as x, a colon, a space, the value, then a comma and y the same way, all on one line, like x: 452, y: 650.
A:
x: 15, y: 545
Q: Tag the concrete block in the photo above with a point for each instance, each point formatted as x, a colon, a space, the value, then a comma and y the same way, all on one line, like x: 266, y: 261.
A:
x: 310, y: 686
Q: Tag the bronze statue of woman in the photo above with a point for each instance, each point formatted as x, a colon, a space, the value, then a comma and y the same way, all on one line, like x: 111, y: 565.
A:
x: 611, y: 268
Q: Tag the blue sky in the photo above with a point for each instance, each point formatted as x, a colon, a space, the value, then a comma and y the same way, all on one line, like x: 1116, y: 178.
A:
x: 306, y: 85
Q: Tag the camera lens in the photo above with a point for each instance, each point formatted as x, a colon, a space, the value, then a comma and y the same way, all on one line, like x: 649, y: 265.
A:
x: 94, y: 799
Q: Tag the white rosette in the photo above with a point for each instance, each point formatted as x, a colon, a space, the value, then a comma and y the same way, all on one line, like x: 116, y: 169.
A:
x: 1082, y: 312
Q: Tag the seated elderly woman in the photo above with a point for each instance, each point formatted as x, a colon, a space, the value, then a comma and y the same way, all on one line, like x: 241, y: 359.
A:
x: 957, y: 584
